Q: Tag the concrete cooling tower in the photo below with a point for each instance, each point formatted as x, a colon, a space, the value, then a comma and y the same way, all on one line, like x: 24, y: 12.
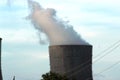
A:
x: 0, y: 61
x: 74, y: 61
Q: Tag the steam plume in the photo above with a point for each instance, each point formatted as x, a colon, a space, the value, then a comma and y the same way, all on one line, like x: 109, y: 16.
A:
x: 58, y: 32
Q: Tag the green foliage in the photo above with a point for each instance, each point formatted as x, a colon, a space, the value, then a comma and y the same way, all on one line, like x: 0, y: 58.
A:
x: 53, y: 76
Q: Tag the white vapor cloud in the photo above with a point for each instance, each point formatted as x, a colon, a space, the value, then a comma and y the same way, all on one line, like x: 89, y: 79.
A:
x: 57, y: 31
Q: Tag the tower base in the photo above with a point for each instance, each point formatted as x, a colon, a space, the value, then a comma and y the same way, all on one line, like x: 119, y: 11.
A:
x: 74, y: 61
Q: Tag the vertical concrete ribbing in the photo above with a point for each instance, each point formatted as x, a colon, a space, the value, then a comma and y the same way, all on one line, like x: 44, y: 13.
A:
x: 73, y: 60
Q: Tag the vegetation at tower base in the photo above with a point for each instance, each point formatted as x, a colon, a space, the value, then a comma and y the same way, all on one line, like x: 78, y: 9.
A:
x: 53, y: 76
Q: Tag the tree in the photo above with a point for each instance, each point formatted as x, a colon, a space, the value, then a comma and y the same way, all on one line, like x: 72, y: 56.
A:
x: 53, y: 76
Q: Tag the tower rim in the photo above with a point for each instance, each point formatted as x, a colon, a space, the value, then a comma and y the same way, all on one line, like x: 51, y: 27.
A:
x: 69, y: 45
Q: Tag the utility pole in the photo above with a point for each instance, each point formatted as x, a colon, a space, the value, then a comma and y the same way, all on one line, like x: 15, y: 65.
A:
x: 0, y: 60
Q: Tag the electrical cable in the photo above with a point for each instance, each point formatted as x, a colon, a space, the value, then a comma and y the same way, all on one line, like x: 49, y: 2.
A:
x: 111, y: 46
x: 106, y: 53
x: 94, y: 61
x: 79, y: 70
x: 109, y: 67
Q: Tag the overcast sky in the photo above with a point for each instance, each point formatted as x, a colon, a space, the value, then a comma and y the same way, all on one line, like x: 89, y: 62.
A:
x: 97, y: 21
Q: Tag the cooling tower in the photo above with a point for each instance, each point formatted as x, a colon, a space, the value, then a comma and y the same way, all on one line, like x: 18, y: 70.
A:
x: 74, y: 61
x: 0, y: 61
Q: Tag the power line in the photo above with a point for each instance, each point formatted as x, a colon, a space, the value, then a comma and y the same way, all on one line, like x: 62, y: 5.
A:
x: 77, y: 71
x: 77, y: 68
x: 111, y: 46
x: 90, y: 60
x: 106, y: 53
x: 109, y: 67
x: 86, y: 63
